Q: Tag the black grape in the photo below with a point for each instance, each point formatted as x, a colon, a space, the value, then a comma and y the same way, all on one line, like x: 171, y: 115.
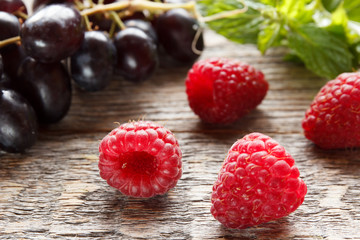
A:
x: 47, y: 86
x: 18, y: 130
x: 12, y: 55
x: 9, y: 26
x: 37, y: 4
x: 1, y: 67
x: 136, y: 54
x: 143, y: 25
x: 105, y: 1
x: 93, y: 64
x: 176, y: 30
x: 52, y: 33
x: 12, y: 6
x: 101, y: 21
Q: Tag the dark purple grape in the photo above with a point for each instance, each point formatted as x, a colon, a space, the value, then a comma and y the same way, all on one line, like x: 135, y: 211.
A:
x: 143, y: 25
x: 52, y: 33
x: 18, y: 130
x: 136, y: 54
x: 1, y: 67
x: 105, y: 1
x: 176, y: 30
x: 5, y: 82
x: 12, y: 6
x: 9, y: 26
x: 93, y: 64
x: 101, y: 21
x: 37, y: 4
x: 13, y: 55
x: 47, y: 86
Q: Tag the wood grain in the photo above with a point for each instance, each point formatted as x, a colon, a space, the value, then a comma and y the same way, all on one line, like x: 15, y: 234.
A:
x: 54, y: 190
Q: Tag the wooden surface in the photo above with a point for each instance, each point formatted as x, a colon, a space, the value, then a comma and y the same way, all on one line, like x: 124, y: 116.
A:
x: 54, y: 191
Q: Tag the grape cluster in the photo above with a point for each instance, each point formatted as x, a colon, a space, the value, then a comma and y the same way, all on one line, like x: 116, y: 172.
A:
x: 66, y: 42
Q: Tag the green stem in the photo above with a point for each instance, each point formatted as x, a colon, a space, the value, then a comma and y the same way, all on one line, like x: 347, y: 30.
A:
x: 139, y: 5
x: 225, y: 14
x: 115, y: 17
x: 8, y: 41
x: 87, y: 23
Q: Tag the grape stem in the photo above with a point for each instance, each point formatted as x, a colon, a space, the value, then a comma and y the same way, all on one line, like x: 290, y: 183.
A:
x: 138, y: 5
x: 5, y: 42
x: 225, y: 14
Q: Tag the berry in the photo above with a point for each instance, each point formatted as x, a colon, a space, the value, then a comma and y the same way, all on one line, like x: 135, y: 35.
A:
x: 93, y: 63
x: 12, y: 6
x: 47, y: 86
x: 141, y: 159
x: 137, y: 56
x: 333, y: 119
x: 177, y: 32
x: 258, y: 182
x: 19, y: 128
x: 52, y: 33
x: 222, y: 90
x: 1, y: 67
x: 9, y: 26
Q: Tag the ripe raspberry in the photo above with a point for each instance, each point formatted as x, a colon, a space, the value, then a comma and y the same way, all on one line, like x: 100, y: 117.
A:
x: 141, y: 159
x: 257, y: 183
x: 333, y: 119
x: 221, y: 90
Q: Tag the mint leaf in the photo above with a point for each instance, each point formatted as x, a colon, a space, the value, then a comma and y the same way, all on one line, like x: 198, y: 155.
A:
x: 352, y: 8
x: 240, y: 28
x: 323, y: 52
x: 331, y: 5
x: 268, y: 36
x: 296, y: 9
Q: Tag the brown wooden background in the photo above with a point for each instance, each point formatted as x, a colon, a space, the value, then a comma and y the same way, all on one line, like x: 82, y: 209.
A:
x: 54, y: 190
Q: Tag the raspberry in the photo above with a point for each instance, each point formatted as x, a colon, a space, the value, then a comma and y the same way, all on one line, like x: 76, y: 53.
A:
x: 141, y: 159
x: 222, y: 90
x: 333, y: 119
x: 258, y: 182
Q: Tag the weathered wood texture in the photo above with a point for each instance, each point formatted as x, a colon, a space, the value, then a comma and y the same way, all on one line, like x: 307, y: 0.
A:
x: 54, y: 190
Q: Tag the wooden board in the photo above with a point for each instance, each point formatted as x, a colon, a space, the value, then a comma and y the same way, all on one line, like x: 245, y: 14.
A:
x: 54, y: 190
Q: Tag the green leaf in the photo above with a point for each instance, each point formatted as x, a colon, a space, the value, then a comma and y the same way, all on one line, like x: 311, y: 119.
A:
x: 323, y: 52
x: 270, y: 2
x: 241, y: 28
x: 352, y: 8
x: 268, y: 35
x: 331, y: 5
x: 296, y: 9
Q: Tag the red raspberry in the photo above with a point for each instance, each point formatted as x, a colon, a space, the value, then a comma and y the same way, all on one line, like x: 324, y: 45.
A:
x: 141, y: 159
x: 257, y: 183
x: 333, y: 119
x: 222, y: 90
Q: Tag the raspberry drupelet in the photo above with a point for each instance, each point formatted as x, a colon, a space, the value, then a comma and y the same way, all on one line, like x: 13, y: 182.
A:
x: 141, y: 159
x: 258, y: 182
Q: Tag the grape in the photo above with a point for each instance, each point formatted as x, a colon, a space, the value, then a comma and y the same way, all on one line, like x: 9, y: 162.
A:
x: 47, y: 87
x: 12, y: 6
x: 136, y: 53
x: 18, y: 122
x: 1, y: 67
x: 93, y: 64
x: 101, y: 21
x: 37, y: 4
x: 176, y: 31
x: 12, y: 55
x: 52, y: 33
x: 105, y: 1
x: 143, y: 25
x: 9, y: 26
